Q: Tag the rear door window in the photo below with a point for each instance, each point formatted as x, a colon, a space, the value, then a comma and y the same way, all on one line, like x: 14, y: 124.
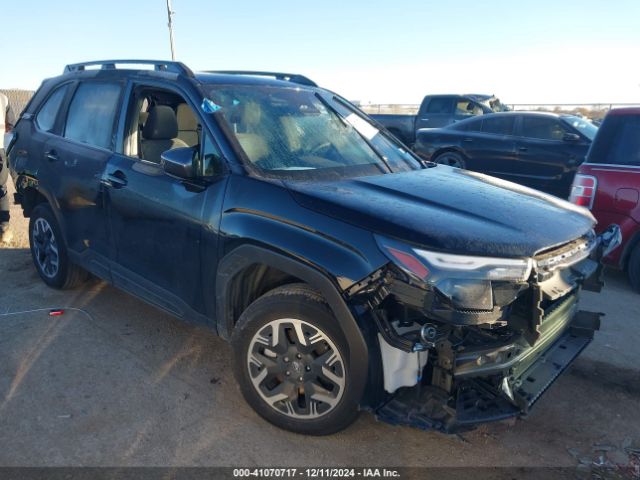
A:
x: 501, y: 125
x: 440, y: 105
x: 468, y: 125
x: 617, y: 142
x: 542, y: 128
x: 92, y: 113
x: 46, y: 117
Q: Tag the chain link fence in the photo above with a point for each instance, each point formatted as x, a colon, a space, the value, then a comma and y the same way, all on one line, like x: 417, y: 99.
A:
x: 594, y: 111
x: 391, y: 108
x: 18, y: 99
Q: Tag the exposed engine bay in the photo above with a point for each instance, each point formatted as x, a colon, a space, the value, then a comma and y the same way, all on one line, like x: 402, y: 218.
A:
x: 479, y: 342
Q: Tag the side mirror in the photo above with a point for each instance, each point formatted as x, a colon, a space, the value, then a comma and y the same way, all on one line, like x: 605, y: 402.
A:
x: 179, y: 162
x: 571, y: 137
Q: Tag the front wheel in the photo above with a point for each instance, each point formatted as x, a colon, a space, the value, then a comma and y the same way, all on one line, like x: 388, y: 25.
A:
x: 452, y: 159
x: 291, y: 361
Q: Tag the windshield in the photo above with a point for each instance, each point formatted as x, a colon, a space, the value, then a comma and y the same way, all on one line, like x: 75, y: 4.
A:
x: 584, y: 126
x: 298, y: 133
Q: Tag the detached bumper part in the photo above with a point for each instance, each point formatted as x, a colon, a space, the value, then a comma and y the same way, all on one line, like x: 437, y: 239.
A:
x: 476, y: 400
x: 535, y: 381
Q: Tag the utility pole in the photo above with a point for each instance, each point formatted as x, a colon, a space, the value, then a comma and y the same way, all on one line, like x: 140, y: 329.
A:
x: 170, y: 15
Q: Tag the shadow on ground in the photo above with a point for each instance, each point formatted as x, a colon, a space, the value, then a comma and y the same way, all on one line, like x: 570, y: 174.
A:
x: 117, y: 382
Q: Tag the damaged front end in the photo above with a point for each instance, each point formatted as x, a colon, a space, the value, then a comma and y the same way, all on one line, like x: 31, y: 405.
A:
x: 466, y: 340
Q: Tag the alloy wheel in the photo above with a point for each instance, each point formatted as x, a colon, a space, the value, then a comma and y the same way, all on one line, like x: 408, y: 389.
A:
x: 296, y: 368
x: 45, y: 248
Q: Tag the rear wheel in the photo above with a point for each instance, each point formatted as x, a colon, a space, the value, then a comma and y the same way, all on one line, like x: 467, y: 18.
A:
x: 452, y: 159
x: 633, y: 268
x: 291, y: 361
x: 49, y: 253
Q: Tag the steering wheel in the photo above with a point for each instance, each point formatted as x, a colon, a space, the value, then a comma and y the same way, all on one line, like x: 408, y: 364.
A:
x: 320, y: 148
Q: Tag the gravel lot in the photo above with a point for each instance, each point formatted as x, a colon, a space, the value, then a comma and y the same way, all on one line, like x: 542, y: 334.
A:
x: 119, y: 383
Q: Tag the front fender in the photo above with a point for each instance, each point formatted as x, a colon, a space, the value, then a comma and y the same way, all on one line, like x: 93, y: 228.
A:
x: 265, y: 213
x: 347, y: 255
x: 246, y: 255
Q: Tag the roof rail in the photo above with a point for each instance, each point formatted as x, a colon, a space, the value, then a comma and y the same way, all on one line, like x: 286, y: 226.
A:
x: 289, y: 77
x: 158, y: 65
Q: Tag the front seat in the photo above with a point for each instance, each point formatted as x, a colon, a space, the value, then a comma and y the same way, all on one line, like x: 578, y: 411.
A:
x: 253, y: 144
x: 187, y: 125
x: 160, y: 133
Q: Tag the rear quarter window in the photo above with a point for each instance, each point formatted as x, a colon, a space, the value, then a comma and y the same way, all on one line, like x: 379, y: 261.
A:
x: 617, y: 142
x: 46, y: 116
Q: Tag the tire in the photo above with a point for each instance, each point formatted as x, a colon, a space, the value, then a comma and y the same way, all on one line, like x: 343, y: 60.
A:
x: 49, y: 251
x: 451, y: 159
x: 276, y: 374
x: 633, y: 268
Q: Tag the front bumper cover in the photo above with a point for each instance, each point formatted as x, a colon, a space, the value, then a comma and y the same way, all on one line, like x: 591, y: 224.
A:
x: 488, y: 383
x: 477, y: 401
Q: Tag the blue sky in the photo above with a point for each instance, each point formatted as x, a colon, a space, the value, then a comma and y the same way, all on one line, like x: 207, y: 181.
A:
x: 387, y: 52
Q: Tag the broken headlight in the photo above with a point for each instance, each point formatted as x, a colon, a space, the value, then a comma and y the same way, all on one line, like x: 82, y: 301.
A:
x: 429, y: 265
x: 467, y: 282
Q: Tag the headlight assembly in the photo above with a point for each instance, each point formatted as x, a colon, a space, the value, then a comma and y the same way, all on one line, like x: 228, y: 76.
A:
x: 481, y: 268
x: 428, y: 265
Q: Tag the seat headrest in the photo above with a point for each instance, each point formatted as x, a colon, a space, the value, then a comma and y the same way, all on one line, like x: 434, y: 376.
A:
x: 253, y: 145
x: 161, y: 124
x: 142, y: 119
x: 251, y: 115
x: 186, y: 118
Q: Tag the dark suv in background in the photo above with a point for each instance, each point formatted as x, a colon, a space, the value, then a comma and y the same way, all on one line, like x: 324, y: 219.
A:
x: 346, y: 273
x: 608, y: 183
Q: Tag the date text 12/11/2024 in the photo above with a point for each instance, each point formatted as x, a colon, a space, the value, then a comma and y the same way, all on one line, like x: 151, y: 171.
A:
x: 315, y: 473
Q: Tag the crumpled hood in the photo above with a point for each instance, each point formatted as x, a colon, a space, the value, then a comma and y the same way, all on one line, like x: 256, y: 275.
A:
x: 448, y: 209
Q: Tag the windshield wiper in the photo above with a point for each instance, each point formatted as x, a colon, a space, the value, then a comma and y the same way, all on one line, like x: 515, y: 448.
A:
x: 383, y: 130
x: 332, y: 109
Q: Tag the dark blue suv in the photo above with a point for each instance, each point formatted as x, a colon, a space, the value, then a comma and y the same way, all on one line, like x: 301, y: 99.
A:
x: 346, y: 273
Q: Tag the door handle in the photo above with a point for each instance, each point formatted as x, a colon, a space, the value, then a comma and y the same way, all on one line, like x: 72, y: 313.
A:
x: 51, y: 155
x: 115, y: 179
x: 522, y: 149
x: 468, y: 139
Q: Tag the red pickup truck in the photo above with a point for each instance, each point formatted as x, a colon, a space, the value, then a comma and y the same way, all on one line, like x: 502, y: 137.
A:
x: 608, y: 183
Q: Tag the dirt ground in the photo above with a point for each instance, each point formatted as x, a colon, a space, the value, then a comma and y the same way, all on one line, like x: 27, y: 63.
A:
x: 115, y: 382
